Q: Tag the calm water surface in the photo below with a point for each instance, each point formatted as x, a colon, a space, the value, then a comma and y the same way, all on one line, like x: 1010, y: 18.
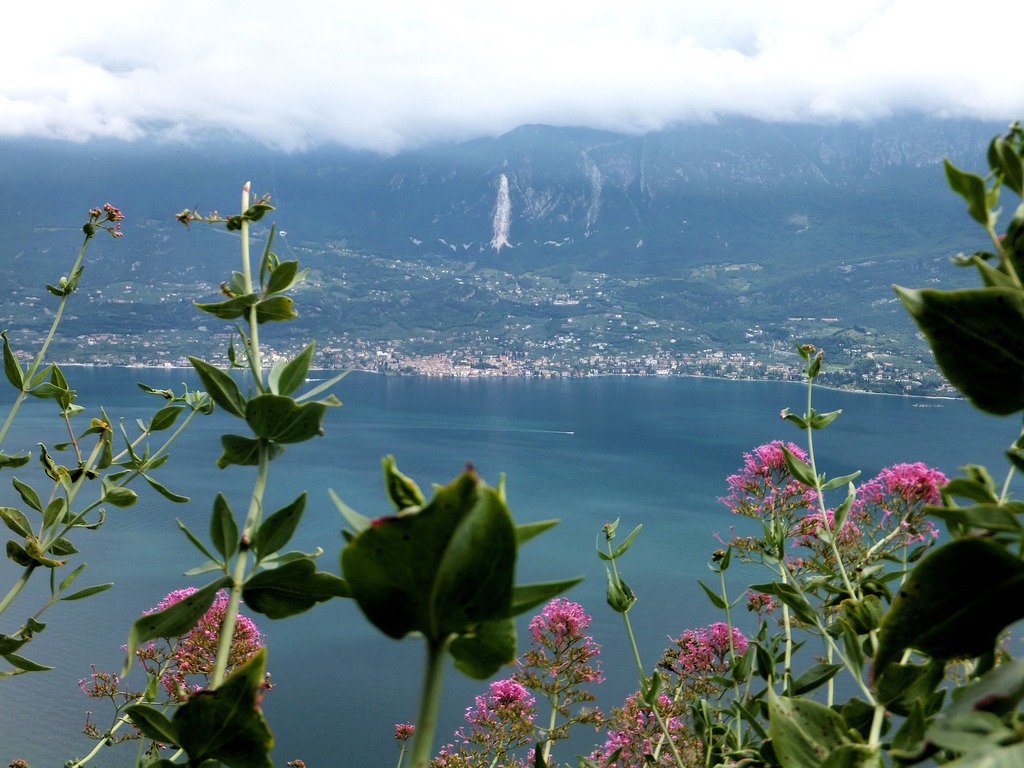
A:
x: 654, y: 451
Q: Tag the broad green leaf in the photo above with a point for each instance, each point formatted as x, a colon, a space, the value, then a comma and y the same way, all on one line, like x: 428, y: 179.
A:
x: 822, y: 420
x: 244, y: 451
x: 223, y: 528
x: 16, y: 520
x: 226, y: 724
x: 54, y: 511
x: 28, y: 495
x: 291, y: 588
x: 221, y: 387
x: 804, y: 733
x: 165, y: 417
x: 971, y: 488
x: 863, y: 615
x: 627, y: 543
x: 173, y: 621
x: 1000, y: 691
x: 10, y: 644
x: 971, y: 188
x: 485, y: 651
x: 62, y: 547
x: 618, y: 595
x: 977, y: 336
x: 395, y: 566
x: 798, y: 468
x: 277, y: 530
x: 275, y: 309
x: 955, y: 602
x: 282, y: 277
x: 282, y: 420
x: 153, y: 723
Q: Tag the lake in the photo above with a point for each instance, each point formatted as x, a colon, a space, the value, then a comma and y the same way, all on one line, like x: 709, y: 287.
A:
x: 654, y: 451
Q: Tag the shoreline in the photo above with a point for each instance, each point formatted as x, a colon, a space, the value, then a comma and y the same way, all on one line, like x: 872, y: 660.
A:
x: 849, y: 390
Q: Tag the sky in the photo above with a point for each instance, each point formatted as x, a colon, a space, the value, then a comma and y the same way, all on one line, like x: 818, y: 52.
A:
x: 392, y: 75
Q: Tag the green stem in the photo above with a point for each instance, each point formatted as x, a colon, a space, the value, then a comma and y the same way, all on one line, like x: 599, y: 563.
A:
x: 252, y: 523
x: 42, y: 350
x: 430, y: 704
x: 253, y: 351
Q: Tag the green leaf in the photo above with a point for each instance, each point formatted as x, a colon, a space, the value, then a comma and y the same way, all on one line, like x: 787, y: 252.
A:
x: 813, y: 677
x: 54, y: 511
x: 282, y: 420
x: 626, y: 544
x: 863, y: 615
x: 221, y: 387
x: 275, y: 309
x: 822, y: 420
x: 245, y: 451
x: 169, y: 495
x: 285, y: 378
x: 230, y: 309
x: 195, y: 540
x: 798, y: 468
x: 971, y: 188
x: 153, y: 724
x: 716, y: 599
x: 20, y: 662
x: 485, y: 651
x: 12, y: 368
x: 971, y: 488
x: 358, y: 522
x: 1000, y: 691
x: 527, y: 596
x: 16, y: 520
x: 164, y: 418
x: 1007, y: 163
x: 223, y: 528
x: 291, y: 588
x: 282, y: 277
x: 401, y: 490
x: 88, y: 591
x: 618, y: 594
x: 173, y: 621
x: 226, y: 724
x: 19, y: 460
x: 28, y: 495
x: 440, y: 570
x: 855, y: 756
x: 804, y: 733
x: 277, y: 530
x: 977, y: 336
x: 526, y: 531
x: 955, y: 602
x: 791, y: 597
x: 989, y: 517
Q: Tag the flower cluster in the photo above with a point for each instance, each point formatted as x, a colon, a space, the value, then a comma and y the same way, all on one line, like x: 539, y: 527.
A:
x: 193, y: 654
x: 636, y: 739
x: 699, y: 655
x: 99, y: 218
x: 500, y: 722
x: 765, y: 489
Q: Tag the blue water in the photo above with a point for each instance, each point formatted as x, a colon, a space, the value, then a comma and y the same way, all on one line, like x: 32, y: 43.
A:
x: 653, y: 451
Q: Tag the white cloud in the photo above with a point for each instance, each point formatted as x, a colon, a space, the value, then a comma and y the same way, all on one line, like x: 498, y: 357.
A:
x: 400, y: 73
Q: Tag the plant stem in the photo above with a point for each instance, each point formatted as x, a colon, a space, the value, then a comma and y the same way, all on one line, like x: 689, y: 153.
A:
x: 430, y: 704
x: 253, y: 351
x: 252, y: 522
x: 42, y: 350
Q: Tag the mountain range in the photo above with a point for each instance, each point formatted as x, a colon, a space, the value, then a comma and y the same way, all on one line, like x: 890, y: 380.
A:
x: 811, y: 218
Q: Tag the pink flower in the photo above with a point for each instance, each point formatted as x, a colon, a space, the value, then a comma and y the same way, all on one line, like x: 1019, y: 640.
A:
x: 403, y: 731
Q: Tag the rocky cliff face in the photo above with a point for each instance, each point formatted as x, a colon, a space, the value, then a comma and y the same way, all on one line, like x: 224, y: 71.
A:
x: 612, y: 201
